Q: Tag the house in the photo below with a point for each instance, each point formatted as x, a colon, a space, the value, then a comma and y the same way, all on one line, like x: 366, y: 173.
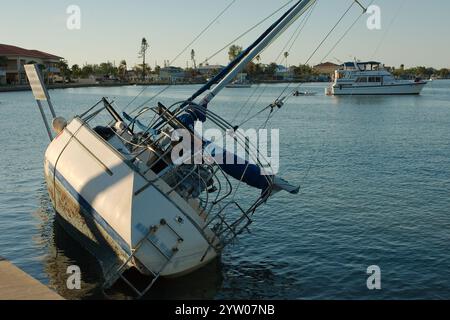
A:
x: 13, y: 59
x: 133, y: 75
x: 284, y: 73
x: 326, y: 68
x: 172, y: 74
x: 209, y: 71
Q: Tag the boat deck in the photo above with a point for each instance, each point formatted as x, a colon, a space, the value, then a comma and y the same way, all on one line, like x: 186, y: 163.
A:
x: 17, y: 285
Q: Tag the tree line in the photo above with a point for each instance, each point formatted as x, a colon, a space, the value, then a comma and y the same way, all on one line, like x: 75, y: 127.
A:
x: 255, y: 70
x: 422, y: 72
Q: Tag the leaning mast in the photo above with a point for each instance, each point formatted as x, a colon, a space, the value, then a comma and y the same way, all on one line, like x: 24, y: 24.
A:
x: 237, y: 65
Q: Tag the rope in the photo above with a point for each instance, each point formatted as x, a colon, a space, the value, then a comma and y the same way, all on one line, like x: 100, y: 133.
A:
x: 389, y: 27
x: 245, y: 104
x: 345, y: 34
x: 286, y: 98
x: 272, y: 106
x: 297, y: 32
x: 246, y: 32
x: 320, y: 45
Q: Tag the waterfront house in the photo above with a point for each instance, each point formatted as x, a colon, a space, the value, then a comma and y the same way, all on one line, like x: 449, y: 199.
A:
x: 284, y: 73
x: 172, y: 74
x: 326, y: 68
x: 14, y: 58
x: 209, y: 71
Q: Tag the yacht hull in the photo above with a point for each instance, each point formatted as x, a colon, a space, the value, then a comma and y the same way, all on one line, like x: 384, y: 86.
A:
x: 394, y: 89
x: 123, y: 220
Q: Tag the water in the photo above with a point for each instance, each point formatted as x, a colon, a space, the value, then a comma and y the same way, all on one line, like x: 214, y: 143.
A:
x: 375, y: 173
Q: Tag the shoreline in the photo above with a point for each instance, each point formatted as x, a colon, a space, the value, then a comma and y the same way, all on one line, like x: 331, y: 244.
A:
x: 20, y: 88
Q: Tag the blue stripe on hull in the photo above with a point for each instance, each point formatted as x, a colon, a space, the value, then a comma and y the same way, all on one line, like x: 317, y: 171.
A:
x: 89, y: 212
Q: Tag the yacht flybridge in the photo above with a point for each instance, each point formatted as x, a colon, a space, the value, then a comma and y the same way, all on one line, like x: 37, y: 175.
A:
x: 115, y: 186
x: 371, y: 78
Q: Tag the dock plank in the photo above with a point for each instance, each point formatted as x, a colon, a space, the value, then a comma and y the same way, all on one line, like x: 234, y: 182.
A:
x: 15, y: 284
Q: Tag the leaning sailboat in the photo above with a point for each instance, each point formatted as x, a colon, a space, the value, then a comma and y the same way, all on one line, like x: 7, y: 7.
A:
x: 113, y: 182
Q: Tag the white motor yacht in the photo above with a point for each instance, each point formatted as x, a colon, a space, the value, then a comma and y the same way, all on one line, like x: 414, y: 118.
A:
x: 371, y: 78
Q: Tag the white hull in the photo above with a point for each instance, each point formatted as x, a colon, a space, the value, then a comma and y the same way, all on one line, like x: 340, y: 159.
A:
x: 410, y: 88
x: 105, y: 200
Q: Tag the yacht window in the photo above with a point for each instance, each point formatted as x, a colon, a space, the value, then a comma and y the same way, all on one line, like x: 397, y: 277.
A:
x: 374, y: 79
x: 361, y: 79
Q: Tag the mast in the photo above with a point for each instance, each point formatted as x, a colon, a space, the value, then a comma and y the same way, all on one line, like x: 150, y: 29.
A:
x: 236, y: 66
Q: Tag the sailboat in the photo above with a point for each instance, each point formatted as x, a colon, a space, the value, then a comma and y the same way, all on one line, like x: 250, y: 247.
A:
x: 115, y: 187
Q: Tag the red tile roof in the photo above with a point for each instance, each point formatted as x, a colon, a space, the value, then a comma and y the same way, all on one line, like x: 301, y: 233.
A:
x: 326, y: 64
x: 7, y: 50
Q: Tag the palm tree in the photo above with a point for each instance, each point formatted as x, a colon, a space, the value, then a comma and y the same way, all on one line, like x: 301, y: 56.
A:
x: 234, y: 51
x: 142, y: 54
x: 76, y: 71
x: 123, y: 69
x: 64, y: 69
x: 193, y: 59
x: 286, y: 56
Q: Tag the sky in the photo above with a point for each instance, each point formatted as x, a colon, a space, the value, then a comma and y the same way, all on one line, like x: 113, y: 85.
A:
x: 412, y: 32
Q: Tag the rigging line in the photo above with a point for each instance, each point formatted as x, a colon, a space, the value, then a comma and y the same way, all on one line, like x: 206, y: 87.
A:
x: 306, y: 20
x: 316, y: 153
x: 254, y: 104
x: 246, y: 32
x: 300, y: 27
x: 296, y: 34
x: 151, y: 99
x: 255, y: 115
x: 345, y: 34
x: 320, y: 45
x: 245, y: 104
x: 314, y: 160
x: 183, y: 51
x: 204, y: 30
x: 389, y: 28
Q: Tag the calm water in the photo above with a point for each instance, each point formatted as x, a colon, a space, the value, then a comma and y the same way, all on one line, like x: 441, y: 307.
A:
x: 377, y: 192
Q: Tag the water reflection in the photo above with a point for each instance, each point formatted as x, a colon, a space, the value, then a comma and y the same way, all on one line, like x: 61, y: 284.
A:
x: 63, y: 251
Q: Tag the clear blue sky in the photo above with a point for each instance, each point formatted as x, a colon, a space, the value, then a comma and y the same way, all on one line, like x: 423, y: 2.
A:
x: 111, y: 30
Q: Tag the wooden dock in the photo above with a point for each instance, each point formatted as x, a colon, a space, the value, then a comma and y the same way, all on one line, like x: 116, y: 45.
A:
x: 17, y: 285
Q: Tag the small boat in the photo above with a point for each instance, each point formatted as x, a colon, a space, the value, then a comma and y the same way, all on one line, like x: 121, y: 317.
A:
x: 304, y: 93
x: 371, y: 78
x: 117, y: 188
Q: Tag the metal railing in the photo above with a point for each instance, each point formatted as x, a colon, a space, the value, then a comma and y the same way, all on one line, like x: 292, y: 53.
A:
x: 207, y: 182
